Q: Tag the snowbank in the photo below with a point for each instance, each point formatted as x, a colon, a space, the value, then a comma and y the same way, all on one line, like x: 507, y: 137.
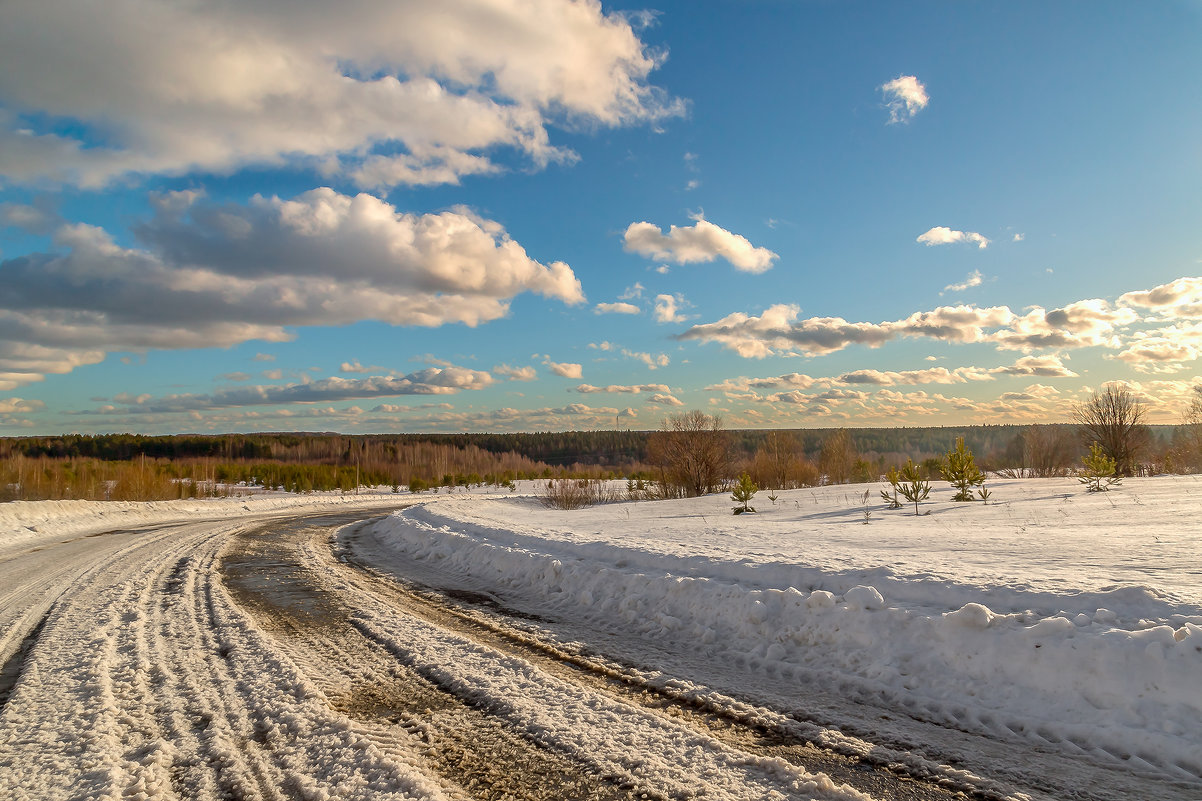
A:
x: 1068, y: 619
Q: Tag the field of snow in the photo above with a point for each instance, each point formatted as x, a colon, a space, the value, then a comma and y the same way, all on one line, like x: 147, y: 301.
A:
x: 1068, y: 620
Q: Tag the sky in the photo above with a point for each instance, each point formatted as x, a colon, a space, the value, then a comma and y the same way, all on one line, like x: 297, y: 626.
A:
x: 533, y: 215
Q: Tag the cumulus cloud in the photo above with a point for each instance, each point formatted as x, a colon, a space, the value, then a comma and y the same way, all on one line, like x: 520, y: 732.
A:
x: 20, y: 406
x: 744, y: 384
x: 430, y: 381
x: 1163, y: 350
x: 905, y: 96
x: 667, y: 308
x: 651, y: 360
x: 664, y: 399
x: 515, y: 373
x: 356, y: 367
x: 632, y: 389
x: 779, y: 330
x: 35, y: 219
x: 1042, y: 366
x: 974, y: 279
x: 563, y: 369
x: 217, y: 275
x: 701, y: 242
x: 386, y: 93
x: 1082, y: 324
x: 620, y: 307
x: 941, y: 235
x: 1180, y: 299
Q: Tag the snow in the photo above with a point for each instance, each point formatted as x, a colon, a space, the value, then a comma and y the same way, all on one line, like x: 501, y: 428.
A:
x: 1066, y: 619
x: 27, y: 523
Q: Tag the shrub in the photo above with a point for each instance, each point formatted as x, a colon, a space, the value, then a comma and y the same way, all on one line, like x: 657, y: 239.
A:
x: 576, y: 493
x: 960, y: 470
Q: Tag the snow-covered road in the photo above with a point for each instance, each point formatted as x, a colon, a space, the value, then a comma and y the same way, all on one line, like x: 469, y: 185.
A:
x: 228, y: 659
x: 269, y: 653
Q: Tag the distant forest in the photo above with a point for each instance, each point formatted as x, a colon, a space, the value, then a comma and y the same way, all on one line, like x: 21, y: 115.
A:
x: 620, y: 452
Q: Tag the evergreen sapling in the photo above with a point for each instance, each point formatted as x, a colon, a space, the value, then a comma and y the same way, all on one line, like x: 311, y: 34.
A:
x: 743, y: 493
x: 960, y: 470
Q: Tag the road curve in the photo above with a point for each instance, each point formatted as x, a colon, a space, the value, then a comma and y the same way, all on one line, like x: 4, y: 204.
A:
x: 257, y: 660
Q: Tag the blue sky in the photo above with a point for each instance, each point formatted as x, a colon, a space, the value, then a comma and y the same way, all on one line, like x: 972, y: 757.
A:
x: 496, y: 216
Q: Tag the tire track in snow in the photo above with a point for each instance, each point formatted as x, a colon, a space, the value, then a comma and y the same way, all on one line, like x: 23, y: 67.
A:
x: 147, y: 682
x: 459, y: 637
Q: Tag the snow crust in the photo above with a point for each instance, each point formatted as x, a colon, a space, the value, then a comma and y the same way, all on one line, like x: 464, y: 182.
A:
x: 1051, y: 615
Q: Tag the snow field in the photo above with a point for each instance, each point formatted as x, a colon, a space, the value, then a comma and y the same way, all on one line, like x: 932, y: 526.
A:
x: 1052, y: 632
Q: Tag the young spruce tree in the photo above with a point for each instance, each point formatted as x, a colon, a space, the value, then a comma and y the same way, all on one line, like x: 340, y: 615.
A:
x: 1098, y: 475
x: 960, y: 470
x: 743, y: 493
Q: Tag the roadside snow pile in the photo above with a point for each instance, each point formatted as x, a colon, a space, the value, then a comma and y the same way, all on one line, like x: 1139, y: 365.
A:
x: 1048, y: 614
x: 23, y: 523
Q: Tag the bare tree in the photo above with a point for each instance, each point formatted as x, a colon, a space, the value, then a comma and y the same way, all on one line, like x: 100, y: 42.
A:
x: 1047, y: 451
x: 1190, y: 436
x: 837, y: 460
x: 691, y: 452
x: 1113, y: 418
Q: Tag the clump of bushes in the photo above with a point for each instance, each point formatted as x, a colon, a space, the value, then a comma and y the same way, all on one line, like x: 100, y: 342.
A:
x: 577, y: 493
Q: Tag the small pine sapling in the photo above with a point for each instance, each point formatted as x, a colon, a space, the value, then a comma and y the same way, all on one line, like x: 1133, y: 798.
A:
x: 984, y: 494
x: 1098, y: 473
x: 911, y: 484
x: 960, y: 470
x: 772, y: 496
x: 743, y: 493
x: 894, y: 478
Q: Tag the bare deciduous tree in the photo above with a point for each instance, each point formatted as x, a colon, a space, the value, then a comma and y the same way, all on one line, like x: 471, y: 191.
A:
x: 1190, y: 437
x: 1047, y: 451
x: 1113, y: 418
x: 691, y: 452
x: 838, y: 458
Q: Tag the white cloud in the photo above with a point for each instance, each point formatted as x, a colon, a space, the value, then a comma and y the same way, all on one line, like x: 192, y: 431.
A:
x: 1163, y: 350
x: 1018, y: 237
x: 664, y: 399
x: 264, y: 357
x: 1180, y: 299
x: 356, y: 367
x: 430, y: 381
x: 273, y: 375
x: 515, y: 373
x: 1084, y: 323
x: 215, y: 276
x: 701, y: 242
x: 974, y: 279
x: 616, y: 308
x: 667, y: 309
x: 563, y: 369
x: 634, y: 389
x: 384, y: 92
x: 905, y: 96
x: 652, y: 361
x: 602, y: 345
x: 941, y: 235
x: 20, y: 406
x: 632, y: 292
